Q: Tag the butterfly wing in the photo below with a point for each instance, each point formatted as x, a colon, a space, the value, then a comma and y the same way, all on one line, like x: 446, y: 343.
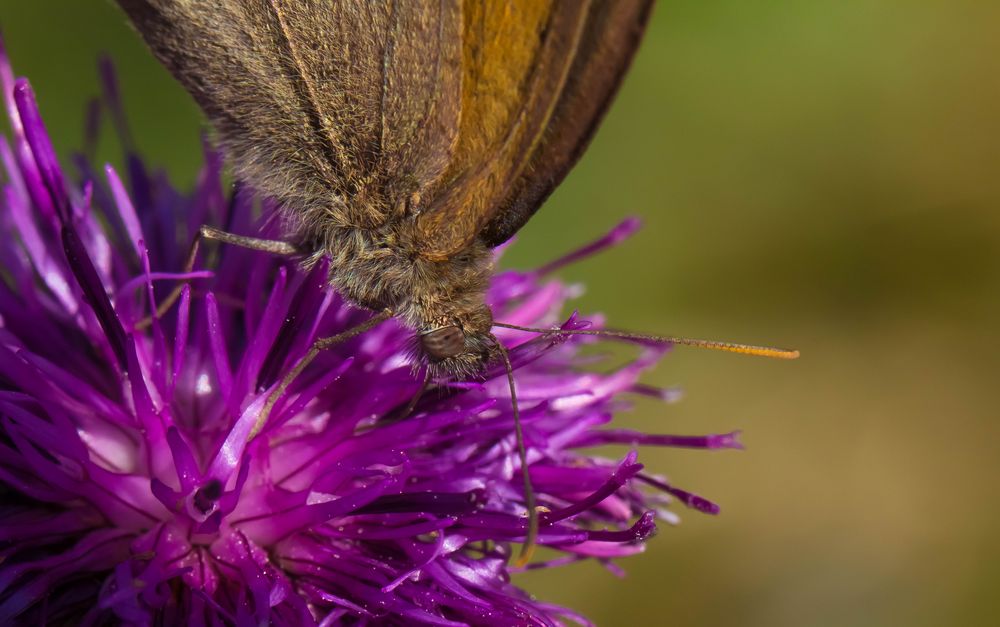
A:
x: 612, y: 35
x: 337, y: 109
x: 466, y: 113
x: 537, y: 78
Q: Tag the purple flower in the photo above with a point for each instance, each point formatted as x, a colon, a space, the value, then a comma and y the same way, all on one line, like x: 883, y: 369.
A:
x: 132, y: 492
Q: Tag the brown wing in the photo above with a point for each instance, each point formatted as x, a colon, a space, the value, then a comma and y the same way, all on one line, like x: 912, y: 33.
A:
x: 612, y: 35
x: 338, y: 109
x: 343, y: 109
x: 537, y: 78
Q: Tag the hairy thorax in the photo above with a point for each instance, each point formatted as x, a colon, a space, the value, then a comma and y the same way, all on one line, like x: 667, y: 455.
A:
x: 382, y: 268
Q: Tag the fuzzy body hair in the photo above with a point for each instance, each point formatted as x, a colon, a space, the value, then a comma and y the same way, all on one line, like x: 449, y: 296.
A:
x: 404, y: 138
x: 380, y: 268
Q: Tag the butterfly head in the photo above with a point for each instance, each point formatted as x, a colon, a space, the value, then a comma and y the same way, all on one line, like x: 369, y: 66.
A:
x: 459, y: 345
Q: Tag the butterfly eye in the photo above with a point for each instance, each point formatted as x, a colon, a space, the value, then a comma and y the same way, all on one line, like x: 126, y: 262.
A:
x: 443, y: 343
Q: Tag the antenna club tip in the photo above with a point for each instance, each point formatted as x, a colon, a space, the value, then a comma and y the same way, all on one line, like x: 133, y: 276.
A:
x: 745, y: 349
x: 776, y: 353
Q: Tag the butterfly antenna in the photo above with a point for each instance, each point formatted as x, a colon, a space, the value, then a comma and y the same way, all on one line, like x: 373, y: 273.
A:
x: 528, y: 548
x: 729, y: 347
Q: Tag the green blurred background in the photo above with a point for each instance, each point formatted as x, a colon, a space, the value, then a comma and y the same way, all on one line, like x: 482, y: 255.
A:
x: 821, y: 174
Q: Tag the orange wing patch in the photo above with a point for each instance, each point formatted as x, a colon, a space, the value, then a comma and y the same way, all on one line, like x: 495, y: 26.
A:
x: 516, y: 57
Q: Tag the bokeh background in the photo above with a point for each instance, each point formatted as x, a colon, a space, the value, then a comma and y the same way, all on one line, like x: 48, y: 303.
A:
x: 823, y: 175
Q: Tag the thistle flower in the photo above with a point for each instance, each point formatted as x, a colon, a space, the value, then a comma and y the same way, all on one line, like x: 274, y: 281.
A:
x: 132, y: 492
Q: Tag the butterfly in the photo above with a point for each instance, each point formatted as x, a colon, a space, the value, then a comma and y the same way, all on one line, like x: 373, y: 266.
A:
x: 404, y: 139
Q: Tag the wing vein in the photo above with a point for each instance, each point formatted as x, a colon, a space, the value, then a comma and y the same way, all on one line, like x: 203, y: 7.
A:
x: 310, y: 96
x: 387, y: 52
x: 553, y: 102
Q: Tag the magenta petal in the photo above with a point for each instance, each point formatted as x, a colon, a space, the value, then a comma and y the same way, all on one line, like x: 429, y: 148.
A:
x: 96, y: 296
x: 112, y: 99
x: 614, y: 237
x: 138, y: 488
x: 641, y: 530
x: 48, y: 267
x: 216, y: 336
x: 303, y: 308
x: 41, y: 147
x: 29, y: 172
x: 184, y: 460
x: 181, y: 335
x: 125, y: 209
x: 625, y: 471
x: 282, y: 524
x: 691, y: 500
x: 637, y: 438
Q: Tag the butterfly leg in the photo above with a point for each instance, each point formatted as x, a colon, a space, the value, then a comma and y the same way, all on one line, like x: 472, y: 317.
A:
x: 274, y: 247
x: 318, y: 346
